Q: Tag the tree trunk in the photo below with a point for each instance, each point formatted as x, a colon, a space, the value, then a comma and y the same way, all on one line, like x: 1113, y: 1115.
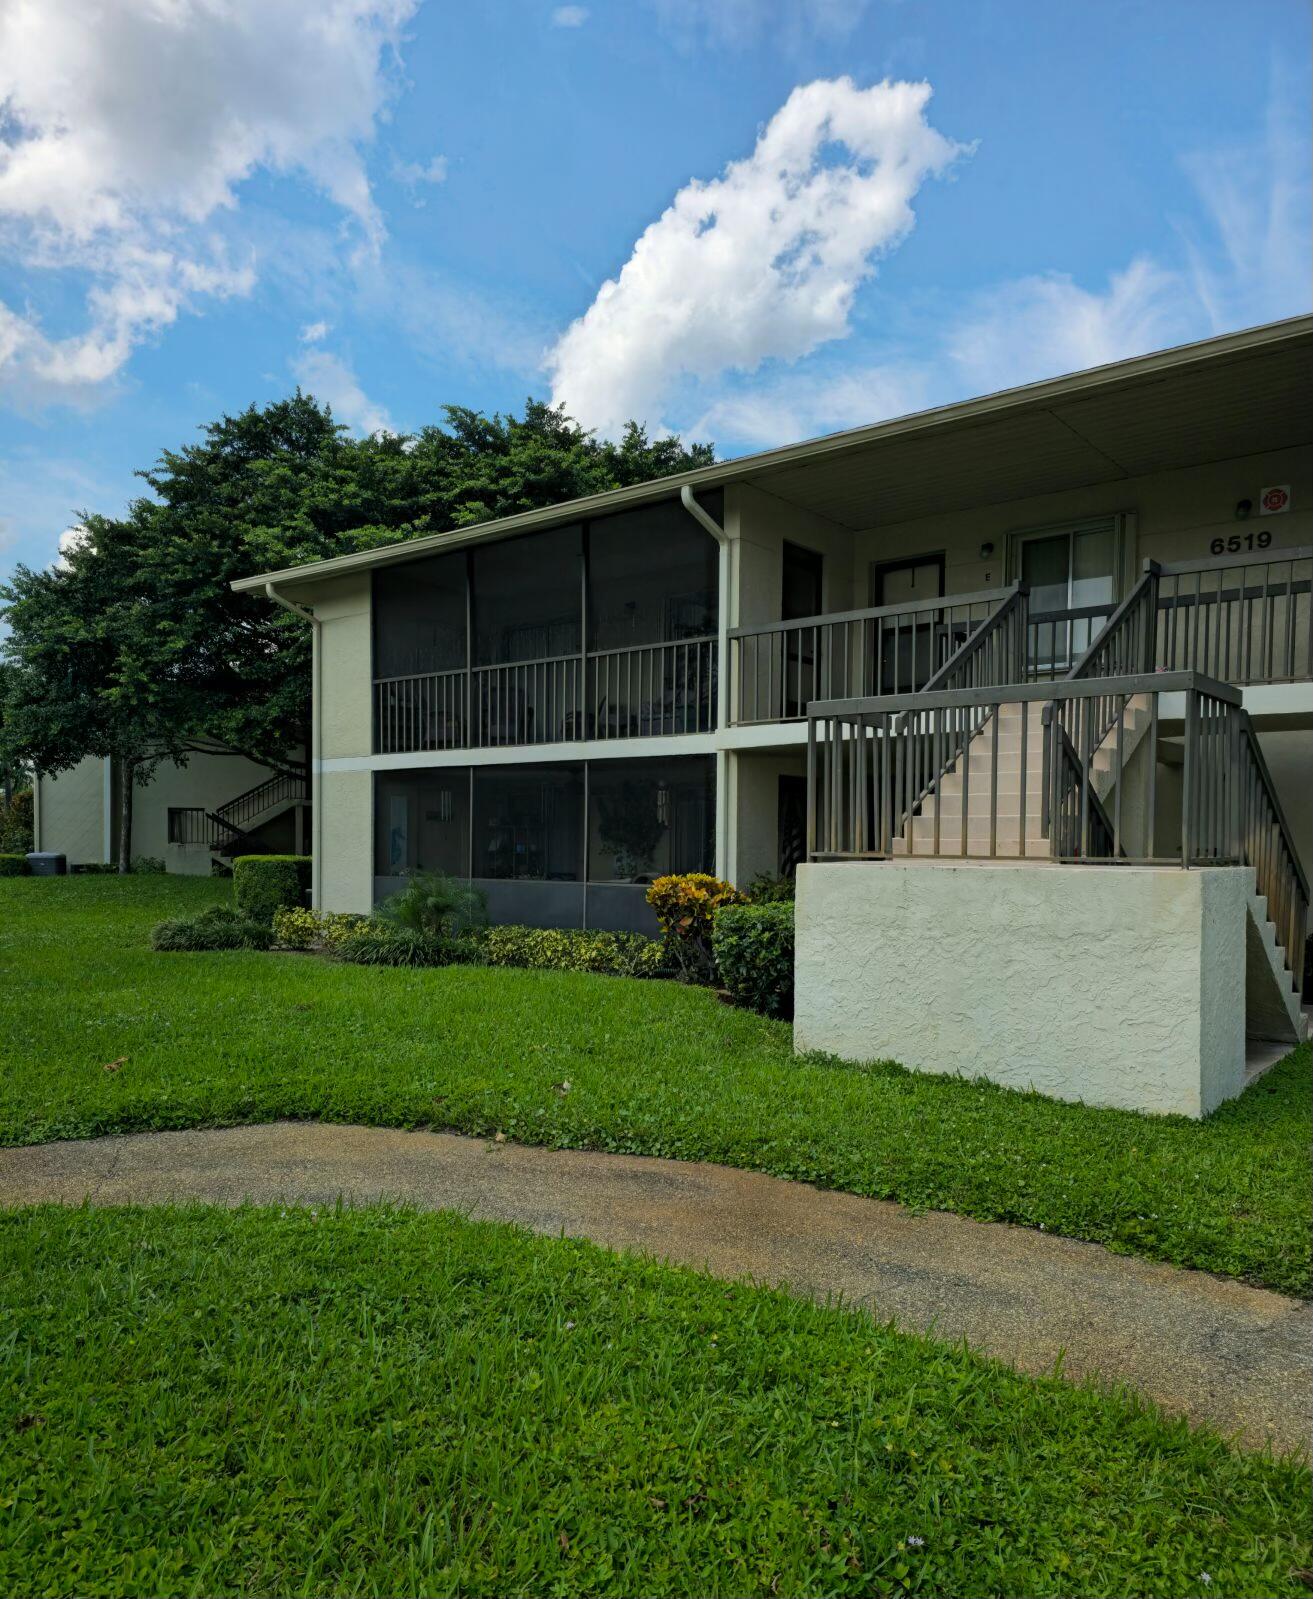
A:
x: 127, y: 779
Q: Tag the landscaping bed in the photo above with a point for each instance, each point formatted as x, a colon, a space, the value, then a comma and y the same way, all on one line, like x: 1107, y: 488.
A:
x: 653, y: 1067
x: 264, y: 1401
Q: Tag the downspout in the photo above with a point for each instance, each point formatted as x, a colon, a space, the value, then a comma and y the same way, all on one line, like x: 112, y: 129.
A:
x: 705, y: 520
x: 316, y: 743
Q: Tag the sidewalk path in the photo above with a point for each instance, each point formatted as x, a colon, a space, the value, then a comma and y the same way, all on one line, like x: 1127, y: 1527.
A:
x: 1239, y: 1358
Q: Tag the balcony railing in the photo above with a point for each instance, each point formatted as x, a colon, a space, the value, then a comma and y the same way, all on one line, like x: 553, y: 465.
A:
x: 778, y: 668
x: 640, y: 691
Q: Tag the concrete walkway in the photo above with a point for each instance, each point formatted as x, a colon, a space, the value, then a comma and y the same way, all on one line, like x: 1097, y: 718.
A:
x: 1239, y: 1358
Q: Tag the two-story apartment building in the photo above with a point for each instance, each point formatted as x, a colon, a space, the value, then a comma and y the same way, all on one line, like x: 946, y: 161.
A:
x: 564, y: 704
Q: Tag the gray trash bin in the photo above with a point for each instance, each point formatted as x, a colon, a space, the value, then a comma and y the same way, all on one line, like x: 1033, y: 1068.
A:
x: 45, y: 863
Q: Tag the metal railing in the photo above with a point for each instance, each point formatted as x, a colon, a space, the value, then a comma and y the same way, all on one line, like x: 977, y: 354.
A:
x: 193, y: 827
x: 281, y: 789
x: 1062, y: 791
x: 1243, y: 619
x: 639, y: 691
x: 650, y: 690
x: 778, y: 668
x: 1057, y: 639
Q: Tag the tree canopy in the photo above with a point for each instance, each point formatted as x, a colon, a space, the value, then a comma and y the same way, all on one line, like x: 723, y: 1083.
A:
x: 134, y: 646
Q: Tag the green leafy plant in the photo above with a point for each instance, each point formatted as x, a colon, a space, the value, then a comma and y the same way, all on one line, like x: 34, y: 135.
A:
x: 436, y: 906
x: 13, y: 865
x: 220, y: 927
x: 754, y: 954
x: 263, y: 884
x: 769, y: 888
x: 375, y: 944
x: 686, y: 905
x: 574, y: 950
x: 148, y: 866
x: 298, y: 927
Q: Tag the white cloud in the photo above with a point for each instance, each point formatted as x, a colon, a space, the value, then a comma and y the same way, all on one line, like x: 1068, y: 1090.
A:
x: 569, y: 16
x: 761, y: 262
x: 126, y: 132
x: 411, y: 173
x: 71, y: 540
x: 331, y: 380
x: 314, y: 332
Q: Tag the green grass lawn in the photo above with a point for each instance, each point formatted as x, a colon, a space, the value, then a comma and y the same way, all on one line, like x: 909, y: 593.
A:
x: 653, y: 1068
x: 211, y: 1402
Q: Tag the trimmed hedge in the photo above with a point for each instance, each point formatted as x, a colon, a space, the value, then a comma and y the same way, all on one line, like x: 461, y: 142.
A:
x: 574, y: 950
x: 754, y: 953
x: 220, y: 927
x: 263, y: 884
x: 13, y: 865
x: 375, y: 945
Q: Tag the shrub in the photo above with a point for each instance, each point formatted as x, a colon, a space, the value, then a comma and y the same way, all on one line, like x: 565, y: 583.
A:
x: 13, y: 865
x: 686, y: 907
x: 16, y: 823
x: 263, y: 883
x: 754, y: 954
x: 372, y: 944
x: 147, y: 866
x: 297, y: 927
x: 768, y: 889
x: 220, y: 927
x: 436, y: 905
x: 573, y: 950
x: 95, y: 868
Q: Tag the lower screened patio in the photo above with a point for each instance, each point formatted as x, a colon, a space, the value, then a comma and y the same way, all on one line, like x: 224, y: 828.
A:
x: 551, y: 844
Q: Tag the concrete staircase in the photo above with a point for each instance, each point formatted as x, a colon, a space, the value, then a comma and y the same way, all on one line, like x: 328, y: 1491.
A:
x: 976, y: 776
x: 1272, y: 1000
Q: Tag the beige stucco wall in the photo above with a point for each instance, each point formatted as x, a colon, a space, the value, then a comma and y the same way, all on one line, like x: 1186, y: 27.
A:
x: 346, y: 881
x: 346, y: 655
x: 206, y: 780
x: 758, y: 525
x: 1171, y: 516
x: 1118, y: 987
x: 753, y: 803
x: 70, y: 812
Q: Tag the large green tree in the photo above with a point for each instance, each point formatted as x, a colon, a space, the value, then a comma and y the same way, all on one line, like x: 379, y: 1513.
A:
x: 136, y: 647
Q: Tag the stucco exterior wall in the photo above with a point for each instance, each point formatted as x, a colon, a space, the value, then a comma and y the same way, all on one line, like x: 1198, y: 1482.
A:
x: 754, y: 840
x: 1170, y: 516
x: 207, y: 780
x: 346, y: 838
x: 70, y: 812
x: 1120, y: 986
x: 758, y: 525
x: 346, y: 666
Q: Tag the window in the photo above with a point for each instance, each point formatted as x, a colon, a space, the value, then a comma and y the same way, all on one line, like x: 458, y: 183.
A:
x: 1068, y: 569
x: 419, y: 617
x: 421, y: 822
x: 528, y: 822
x: 651, y: 578
x: 650, y: 817
x: 527, y: 597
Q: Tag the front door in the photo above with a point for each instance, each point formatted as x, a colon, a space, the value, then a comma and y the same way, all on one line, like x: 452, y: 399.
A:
x: 800, y: 596
x: 904, y: 651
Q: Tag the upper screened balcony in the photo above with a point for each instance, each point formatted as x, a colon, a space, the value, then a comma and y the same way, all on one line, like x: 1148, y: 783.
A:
x: 599, y: 630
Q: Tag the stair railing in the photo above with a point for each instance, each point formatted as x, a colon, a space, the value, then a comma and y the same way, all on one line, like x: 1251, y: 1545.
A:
x: 243, y: 808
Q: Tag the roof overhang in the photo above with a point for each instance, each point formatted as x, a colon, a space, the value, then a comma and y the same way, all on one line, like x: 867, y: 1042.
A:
x: 1239, y: 394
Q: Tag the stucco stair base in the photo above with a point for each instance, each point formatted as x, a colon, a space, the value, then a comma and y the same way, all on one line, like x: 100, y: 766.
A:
x: 1117, y: 986
x: 1272, y: 1002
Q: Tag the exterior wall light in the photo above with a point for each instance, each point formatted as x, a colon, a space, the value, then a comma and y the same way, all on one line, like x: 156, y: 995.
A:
x: 1242, y: 509
x: 986, y: 550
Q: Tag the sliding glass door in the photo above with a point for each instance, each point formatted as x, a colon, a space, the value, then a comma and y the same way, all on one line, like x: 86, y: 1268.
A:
x: 1071, y: 572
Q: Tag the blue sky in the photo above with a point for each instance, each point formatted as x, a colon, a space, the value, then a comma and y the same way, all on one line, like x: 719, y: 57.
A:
x: 403, y: 203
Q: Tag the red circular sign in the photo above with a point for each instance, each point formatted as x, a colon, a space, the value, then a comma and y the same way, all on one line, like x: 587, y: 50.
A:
x: 1275, y: 500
